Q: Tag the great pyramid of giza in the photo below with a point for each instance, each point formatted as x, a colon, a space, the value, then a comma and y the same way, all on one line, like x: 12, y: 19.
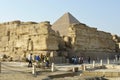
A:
x: 63, y: 23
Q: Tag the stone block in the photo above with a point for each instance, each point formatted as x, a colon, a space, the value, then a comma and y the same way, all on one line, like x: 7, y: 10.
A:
x: 107, y: 74
x: 53, y: 54
x: 100, y: 74
x: 115, y: 74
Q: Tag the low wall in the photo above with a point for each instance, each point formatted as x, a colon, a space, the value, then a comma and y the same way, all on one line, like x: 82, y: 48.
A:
x: 105, y: 74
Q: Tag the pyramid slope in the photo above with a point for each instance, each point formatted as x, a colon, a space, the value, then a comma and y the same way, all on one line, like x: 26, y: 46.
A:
x: 63, y: 23
x: 72, y: 19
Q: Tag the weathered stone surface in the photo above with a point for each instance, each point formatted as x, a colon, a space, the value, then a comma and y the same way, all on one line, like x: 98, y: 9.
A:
x: 86, y: 39
x: 17, y: 37
x: 81, y: 40
x: 117, y: 40
x: 67, y: 37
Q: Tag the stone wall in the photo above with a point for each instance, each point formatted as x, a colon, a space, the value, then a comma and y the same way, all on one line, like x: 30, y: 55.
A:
x: 17, y: 37
x: 117, y: 41
x: 90, y: 42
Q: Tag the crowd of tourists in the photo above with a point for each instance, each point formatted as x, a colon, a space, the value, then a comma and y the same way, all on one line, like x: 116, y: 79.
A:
x: 79, y: 60
x: 38, y: 59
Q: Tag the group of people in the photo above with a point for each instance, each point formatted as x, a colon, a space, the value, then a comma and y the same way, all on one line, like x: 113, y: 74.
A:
x: 79, y: 60
x: 38, y: 59
x: 45, y: 59
x: 76, y: 60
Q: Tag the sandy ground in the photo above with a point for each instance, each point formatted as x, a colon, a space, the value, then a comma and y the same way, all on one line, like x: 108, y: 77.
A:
x: 20, y: 76
x: 20, y: 71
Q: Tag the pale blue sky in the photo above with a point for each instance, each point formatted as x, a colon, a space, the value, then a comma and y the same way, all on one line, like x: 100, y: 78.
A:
x: 102, y: 14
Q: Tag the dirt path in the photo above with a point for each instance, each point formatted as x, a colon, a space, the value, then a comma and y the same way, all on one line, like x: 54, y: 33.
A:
x: 18, y: 71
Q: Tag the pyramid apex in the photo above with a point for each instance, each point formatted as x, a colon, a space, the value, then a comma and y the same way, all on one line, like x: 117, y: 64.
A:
x: 67, y: 18
x: 67, y: 13
x: 64, y: 22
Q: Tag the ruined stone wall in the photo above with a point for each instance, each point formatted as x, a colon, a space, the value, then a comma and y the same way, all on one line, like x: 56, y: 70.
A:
x: 17, y: 37
x: 86, y: 40
x: 117, y: 41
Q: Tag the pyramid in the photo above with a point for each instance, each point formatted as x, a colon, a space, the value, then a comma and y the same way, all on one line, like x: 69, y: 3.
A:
x: 63, y: 23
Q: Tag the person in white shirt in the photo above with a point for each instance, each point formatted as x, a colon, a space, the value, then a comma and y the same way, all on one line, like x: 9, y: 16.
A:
x: 30, y: 60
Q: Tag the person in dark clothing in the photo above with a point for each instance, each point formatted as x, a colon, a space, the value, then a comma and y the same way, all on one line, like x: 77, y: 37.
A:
x: 89, y: 59
x: 81, y: 60
x: 118, y: 56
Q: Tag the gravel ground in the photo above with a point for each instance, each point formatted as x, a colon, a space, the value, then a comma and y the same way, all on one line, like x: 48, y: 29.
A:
x: 19, y: 71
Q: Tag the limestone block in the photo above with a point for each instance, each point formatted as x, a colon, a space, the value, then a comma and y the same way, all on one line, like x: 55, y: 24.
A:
x: 21, y: 44
x: 39, y: 43
x: 52, y: 43
x: 100, y: 74
x: 4, y: 38
x: 107, y: 74
x: 90, y: 39
x: 53, y: 54
x: 115, y: 74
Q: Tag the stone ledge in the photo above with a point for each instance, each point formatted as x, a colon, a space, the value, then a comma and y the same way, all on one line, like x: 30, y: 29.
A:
x: 106, y: 74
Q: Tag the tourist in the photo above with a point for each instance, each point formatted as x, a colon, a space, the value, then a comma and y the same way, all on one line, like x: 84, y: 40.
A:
x: 72, y: 60
x: 79, y: 60
x: 47, y: 61
x: 37, y: 58
x: 30, y: 60
x: 118, y: 56
x: 82, y: 60
x: 89, y: 59
x: 42, y: 57
x: 75, y: 60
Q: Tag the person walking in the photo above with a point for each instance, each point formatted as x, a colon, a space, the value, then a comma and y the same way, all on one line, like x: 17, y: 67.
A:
x: 30, y: 60
x: 47, y: 61
x: 89, y: 59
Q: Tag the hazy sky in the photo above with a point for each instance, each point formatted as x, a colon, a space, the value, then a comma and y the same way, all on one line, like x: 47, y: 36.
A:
x: 102, y: 14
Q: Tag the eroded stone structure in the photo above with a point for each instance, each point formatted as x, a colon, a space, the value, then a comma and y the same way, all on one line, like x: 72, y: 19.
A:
x: 117, y: 41
x: 67, y: 37
x: 87, y: 41
x: 83, y: 40
x: 19, y: 38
